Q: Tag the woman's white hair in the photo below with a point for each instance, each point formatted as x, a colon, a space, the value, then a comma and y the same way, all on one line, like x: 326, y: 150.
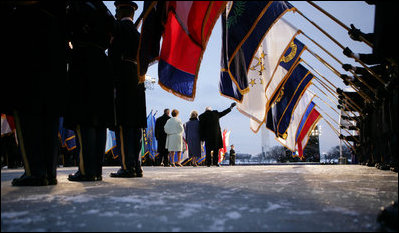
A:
x: 208, y: 108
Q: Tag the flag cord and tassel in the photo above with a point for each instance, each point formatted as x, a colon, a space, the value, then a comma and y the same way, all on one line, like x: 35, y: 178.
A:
x: 341, y: 46
x: 340, y: 62
x: 338, y: 22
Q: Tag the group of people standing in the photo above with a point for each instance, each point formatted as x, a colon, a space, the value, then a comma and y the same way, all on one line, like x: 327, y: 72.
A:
x: 75, y: 60
x: 57, y: 66
x: 200, y: 128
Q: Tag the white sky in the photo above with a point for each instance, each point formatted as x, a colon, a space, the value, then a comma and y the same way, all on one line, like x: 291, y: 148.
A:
x: 207, y: 94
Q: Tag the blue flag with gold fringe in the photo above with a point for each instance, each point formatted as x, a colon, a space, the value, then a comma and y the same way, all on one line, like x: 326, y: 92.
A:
x: 243, y: 28
x: 151, y: 143
x: 203, y: 154
x: 66, y: 136
x: 111, y: 146
x: 286, y: 99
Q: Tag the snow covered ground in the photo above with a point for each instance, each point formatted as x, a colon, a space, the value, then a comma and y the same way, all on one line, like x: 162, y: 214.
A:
x: 239, y: 198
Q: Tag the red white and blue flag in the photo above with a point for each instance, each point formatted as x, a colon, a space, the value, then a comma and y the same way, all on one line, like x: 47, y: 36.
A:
x: 188, y: 27
x: 310, y: 123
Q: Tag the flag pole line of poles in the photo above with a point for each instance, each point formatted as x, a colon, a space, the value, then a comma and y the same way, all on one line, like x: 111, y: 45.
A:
x: 348, y: 101
x: 336, y: 122
x: 339, y: 44
x: 331, y: 90
x: 340, y: 62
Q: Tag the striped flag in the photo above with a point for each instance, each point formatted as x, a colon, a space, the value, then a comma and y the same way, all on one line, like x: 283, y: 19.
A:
x: 307, y: 128
x: 226, y: 143
x: 188, y: 27
x: 151, y: 141
x: 203, y: 154
x: 300, y: 112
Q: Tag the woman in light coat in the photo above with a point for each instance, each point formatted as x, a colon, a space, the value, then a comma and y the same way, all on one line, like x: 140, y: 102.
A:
x: 174, y: 140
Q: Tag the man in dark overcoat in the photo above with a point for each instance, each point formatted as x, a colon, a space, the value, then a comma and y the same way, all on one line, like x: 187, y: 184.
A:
x: 160, y: 135
x: 210, y: 132
x: 131, y: 116
x: 33, y: 87
x: 90, y: 106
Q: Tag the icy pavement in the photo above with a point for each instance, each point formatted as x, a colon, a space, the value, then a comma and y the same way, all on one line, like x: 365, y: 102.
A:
x: 240, y: 198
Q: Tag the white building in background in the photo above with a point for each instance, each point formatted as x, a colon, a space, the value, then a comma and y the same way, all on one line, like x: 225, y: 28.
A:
x: 267, y: 140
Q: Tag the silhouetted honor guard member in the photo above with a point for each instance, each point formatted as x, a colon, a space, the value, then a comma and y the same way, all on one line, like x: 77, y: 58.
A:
x: 90, y: 110
x: 131, y: 116
x: 160, y: 135
x: 32, y: 88
x: 232, y: 160
x: 210, y: 132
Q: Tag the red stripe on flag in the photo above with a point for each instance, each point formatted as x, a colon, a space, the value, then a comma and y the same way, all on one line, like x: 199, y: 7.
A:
x: 178, y: 49
x: 308, y: 126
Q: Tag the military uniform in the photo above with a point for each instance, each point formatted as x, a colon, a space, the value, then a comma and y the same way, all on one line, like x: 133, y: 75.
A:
x: 130, y: 104
x: 33, y: 88
x: 90, y: 106
x: 232, y: 160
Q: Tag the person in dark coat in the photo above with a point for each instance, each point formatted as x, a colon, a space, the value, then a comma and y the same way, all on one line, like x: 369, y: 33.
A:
x: 192, y: 131
x: 33, y: 84
x: 160, y: 135
x: 90, y: 109
x: 210, y: 132
x: 130, y: 103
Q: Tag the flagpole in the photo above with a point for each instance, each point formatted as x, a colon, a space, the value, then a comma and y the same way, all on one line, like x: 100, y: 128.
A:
x: 339, y: 75
x: 341, y: 46
x: 336, y: 132
x: 332, y: 127
x: 334, y: 96
x: 350, y: 101
x: 329, y: 88
x: 318, y: 88
x: 335, y: 88
x: 338, y: 22
x: 340, y: 62
x: 336, y: 122
x: 327, y: 104
x: 357, y: 108
x: 332, y: 89
x: 334, y: 111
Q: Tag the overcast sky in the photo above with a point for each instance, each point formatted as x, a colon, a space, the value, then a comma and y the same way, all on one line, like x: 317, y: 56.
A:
x: 207, y: 94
